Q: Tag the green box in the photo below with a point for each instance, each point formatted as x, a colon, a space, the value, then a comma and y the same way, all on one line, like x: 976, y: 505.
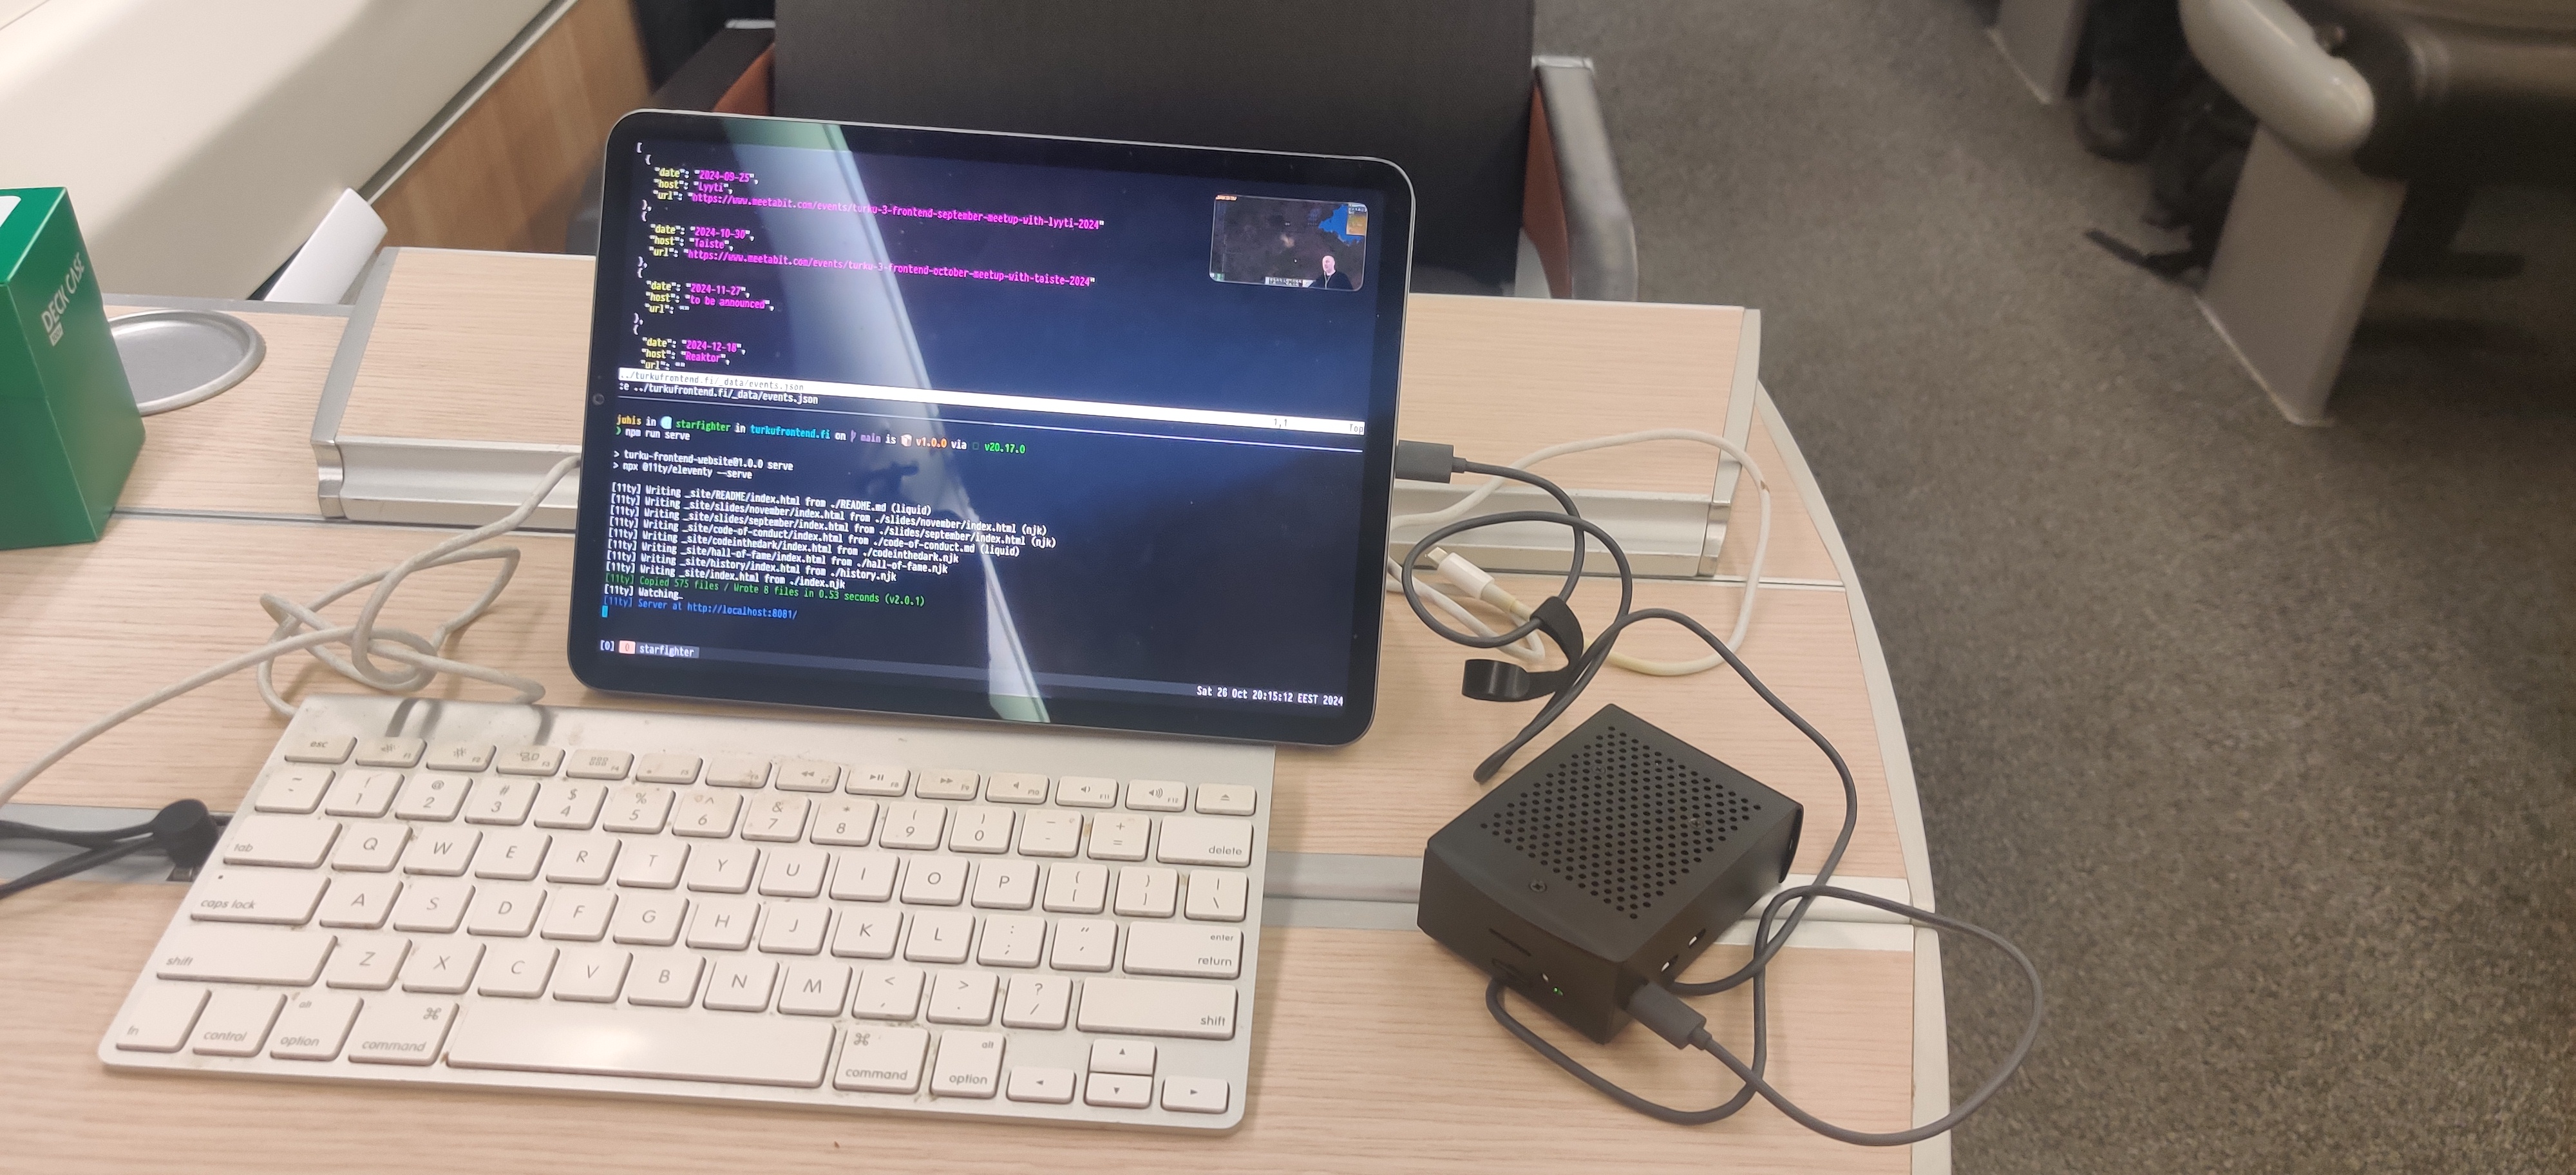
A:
x: 68, y: 428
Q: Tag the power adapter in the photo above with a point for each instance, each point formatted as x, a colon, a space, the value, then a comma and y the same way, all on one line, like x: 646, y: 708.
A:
x: 1612, y: 860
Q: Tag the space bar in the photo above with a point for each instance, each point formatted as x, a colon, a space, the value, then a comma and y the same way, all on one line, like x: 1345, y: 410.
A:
x: 753, y: 1050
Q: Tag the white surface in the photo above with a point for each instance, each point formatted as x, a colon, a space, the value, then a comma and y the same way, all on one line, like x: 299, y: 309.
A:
x: 203, y: 142
x: 2269, y: 59
x: 332, y: 258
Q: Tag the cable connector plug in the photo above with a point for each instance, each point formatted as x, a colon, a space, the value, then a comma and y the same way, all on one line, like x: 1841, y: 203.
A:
x: 1424, y: 461
x: 1665, y: 1015
x: 187, y: 832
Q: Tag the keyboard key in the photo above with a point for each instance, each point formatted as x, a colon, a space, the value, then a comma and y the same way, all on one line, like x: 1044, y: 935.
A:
x: 664, y: 979
x: 1011, y: 787
x: 1200, y: 952
x: 648, y: 919
x: 1157, y: 795
x: 845, y: 822
x: 1197, y: 1095
x: 706, y: 813
x: 294, y: 789
x: 536, y: 761
x: 723, y: 924
x: 578, y: 915
x: 867, y: 934
x: 794, y: 872
x: 505, y: 911
x: 1050, y: 833
x: 1147, y: 892
x: 934, y: 881
x: 392, y: 1030
x: 515, y: 970
x: 962, y: 997
x: 314, y: 1026
x: 747, y: 1051
x: 738, y: 771
x: 777, y: 818
x: 1011, y: 940
x: 651, y: 864
x: 887, y: 993
x: 362, y: 793
x: 1110, y: 1089
x: 1085, y: 791
x: 443, y: 852
x: 949, y: 784
x: 433, y: 798
x: 1198, y: 840
x: 1217, y: 896
x: 231, y: 954
x: 809, y: 775
x: 794, y: 928
x: 1120, y: 838
x: 370, y: 848
x: 742, y: 984
x: 1036, y: 1001
x: 500, y: 801
x: 1077, y: 889
x: 1083, y: 944
x: 864, y: 877
x: 360, y: 903
x: 295, y: 842
x: 443, y: 967
x: 969, y: 1065
x: 722, y: 868
x: 939, y: 936
x: 599, y: 764
x: 1157, y: 1007
x: 1006, y: 885
x: 432, y: 905
x: 279, y: 897
x: 879, y: 780
x: 591, y: 975
x: 638, y: 809
x: 1053, y: 1086
x: 366, y: 962
x: 1134, y: 1058
x: 569, y: 804
x: 667, y: 768
x: 161, y: 1019
x: 1218, y: 799
x: 981, y: 830
x: 319, y: 748
x: 512, y: 854
x: 815, y: 989
x: 881, y: 1060
x: 389, y: 752
x: 913, y: 826
x: 460, y: 757
x: 581, y: 859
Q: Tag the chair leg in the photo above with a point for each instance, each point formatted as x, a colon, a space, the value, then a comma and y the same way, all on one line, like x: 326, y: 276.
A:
x: 2040, y: 39
x: 2303, y: 240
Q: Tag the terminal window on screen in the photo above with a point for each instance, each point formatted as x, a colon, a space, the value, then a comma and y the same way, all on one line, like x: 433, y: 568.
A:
x: 989, y: 427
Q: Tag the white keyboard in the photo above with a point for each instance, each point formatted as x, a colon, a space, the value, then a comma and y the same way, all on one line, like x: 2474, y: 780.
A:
x: 998, y: 923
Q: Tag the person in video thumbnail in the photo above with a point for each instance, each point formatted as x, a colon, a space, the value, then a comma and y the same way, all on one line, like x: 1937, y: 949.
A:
x: 1333, y: 279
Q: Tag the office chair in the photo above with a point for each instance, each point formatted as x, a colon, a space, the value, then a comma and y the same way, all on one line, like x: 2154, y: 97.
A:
x: 1500, y: 148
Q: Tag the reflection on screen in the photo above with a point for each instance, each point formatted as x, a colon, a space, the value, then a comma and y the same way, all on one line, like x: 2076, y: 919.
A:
x: 981, y: 427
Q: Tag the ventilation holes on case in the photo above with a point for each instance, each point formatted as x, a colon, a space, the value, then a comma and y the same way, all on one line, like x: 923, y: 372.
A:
x: 1621, y: 819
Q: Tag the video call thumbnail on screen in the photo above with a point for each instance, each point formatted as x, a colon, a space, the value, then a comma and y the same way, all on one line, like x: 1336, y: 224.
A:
x: 1270, y: 241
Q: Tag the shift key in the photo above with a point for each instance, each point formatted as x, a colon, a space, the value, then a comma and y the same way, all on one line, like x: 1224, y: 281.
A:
x: 1153, y: 1007
x: 241, y: 954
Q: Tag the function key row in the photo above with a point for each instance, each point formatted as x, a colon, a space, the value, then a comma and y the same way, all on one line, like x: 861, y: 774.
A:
x: 798, y: 775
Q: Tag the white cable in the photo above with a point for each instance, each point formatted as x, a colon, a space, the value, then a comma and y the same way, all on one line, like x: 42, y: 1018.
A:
x: 1526, y: 649
x: 1493, y: 593
x: 366, y: 640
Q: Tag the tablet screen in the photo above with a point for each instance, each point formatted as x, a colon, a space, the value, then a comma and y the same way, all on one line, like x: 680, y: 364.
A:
x: 990, y: 426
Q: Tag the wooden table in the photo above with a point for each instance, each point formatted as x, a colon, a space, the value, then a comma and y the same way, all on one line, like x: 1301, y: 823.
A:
x: 1371, y: 1049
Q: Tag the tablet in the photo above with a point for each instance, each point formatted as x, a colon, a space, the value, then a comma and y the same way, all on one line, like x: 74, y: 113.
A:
x: 990, y: 426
